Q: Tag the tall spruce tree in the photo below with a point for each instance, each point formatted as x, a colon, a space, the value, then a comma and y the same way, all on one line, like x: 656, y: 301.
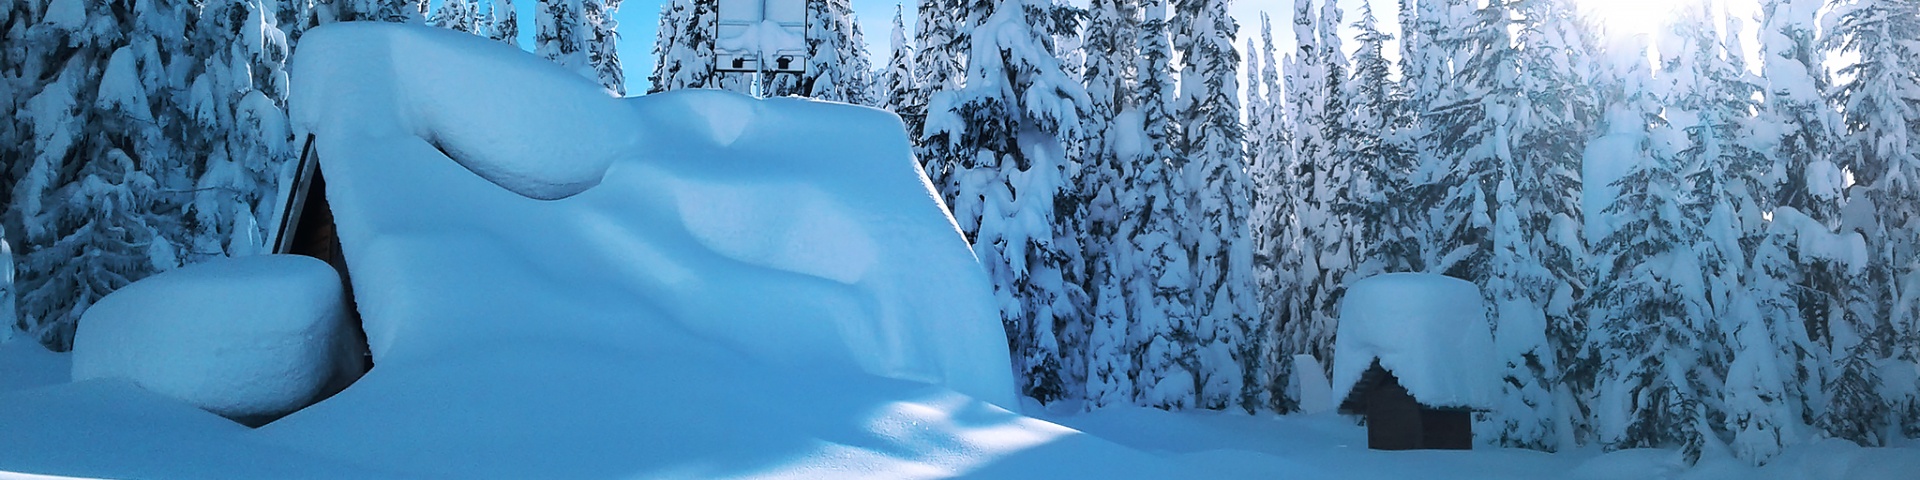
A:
x: 1112, y: 146
x: 562, y: 33
x: 602, y: 43
x: 1272, y: 214
x: 237, y: 103
x: 1007, y: 128
x: 1162, y: 335
x: 1880, y: 147
x: 98, y: 201
x: 683, y: 51
x: 505, y: 22
x: 899, y: 82
x: 1644, y: 308
x: 1208, y: 114
x: 936, y: 68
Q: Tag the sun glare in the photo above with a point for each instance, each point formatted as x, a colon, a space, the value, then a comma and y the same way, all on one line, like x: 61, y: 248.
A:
x: 1623, y: 18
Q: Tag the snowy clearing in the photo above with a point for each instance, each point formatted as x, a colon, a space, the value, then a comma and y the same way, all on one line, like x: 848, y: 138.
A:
x: 559, y: 284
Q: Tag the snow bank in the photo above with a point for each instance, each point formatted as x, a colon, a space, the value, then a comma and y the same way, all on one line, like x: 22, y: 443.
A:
x: 1429, y: 330
x: 793, y: 231
x: 248, y: 338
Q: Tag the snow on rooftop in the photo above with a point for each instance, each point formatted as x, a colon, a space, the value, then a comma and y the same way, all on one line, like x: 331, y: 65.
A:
x: 1429, y: 330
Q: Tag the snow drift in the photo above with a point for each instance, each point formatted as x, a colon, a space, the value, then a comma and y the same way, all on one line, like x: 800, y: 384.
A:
x: 249, y: 338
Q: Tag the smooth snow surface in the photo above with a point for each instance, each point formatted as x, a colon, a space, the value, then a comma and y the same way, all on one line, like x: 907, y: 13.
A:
x: 246, y: 338
x: 1429, y: 330
x: 25, y: 364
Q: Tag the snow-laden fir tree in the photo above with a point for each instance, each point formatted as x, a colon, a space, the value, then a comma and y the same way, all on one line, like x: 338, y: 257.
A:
x: 1712, y: 103
x: 1773, y: 380
x: 1470, y: 130
x: 396, y: 11
x: 1207, y: 113
x: 561, y: 34
x: 683, y: 51
x: 1880, y: 147
x: 837, y: 60
x: 1111, y: 146
x: 1381, y: 151
x: 602, y: 43
x: 1647, y: 310
x: 237, y: 104
x: 898, y: 79
x: 1261, y: 349
x: 1331, y: 234
x: 1535, y: 286
x: 93, y: 216
x: 937, y: 64
x: 1792, y: 68
x: 1290, y: 305
x: 457, y: 15
x: 504, y: 22
x: 1272, y: 216
x: 1162, y: 336
x: 1382, y: 166
x: 1006, y: 129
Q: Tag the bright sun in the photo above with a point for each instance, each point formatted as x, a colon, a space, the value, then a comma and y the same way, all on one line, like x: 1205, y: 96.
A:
x: 1621, y: 18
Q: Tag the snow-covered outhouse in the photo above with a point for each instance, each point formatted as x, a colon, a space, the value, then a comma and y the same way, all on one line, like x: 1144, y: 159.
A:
x: 1414, y: 356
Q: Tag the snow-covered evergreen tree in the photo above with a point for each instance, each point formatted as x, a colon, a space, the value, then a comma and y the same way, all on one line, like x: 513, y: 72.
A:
x: 1646, y: 310
x: 562, y: 34
x: 1272, y: 218
x: 98, y: 201
x: 683, y: 51
x: 1212, y: 142
x: 1880, y: 147
x: 837, y: 60
x: 602, y: 43
x: 1535, y: 278
x: 458, y: 15
x: 1650, y: 317
x: 1162, y: 335
x: 237, y: 104
x: 1111, y: 148
x: 937, y: 64
x: 504, y: 21
x: 1792, y: 68
x: 899, y: 79
x: 1006, y: 128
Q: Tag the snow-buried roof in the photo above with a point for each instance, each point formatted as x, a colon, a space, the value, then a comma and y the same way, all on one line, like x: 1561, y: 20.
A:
x: 1429, y: 330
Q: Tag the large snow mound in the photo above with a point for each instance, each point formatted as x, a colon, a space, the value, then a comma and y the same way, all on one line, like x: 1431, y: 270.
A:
x: 248, y: 338
x: 1429, y: 330
x: 798, y: 232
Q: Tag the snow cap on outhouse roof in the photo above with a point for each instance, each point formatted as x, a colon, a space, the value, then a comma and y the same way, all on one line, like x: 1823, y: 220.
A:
x: 1429, y: 331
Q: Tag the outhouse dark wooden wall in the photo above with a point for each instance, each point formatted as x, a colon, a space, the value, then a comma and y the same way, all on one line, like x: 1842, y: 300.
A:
x: 307, y: 227
x: 1398, y: 421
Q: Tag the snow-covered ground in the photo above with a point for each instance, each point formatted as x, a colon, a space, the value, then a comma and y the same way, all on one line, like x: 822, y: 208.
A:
x: 550, y: 297
x: 740, y: 421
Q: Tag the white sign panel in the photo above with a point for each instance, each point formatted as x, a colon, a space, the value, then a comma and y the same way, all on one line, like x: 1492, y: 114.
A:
x: 761, y: 36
